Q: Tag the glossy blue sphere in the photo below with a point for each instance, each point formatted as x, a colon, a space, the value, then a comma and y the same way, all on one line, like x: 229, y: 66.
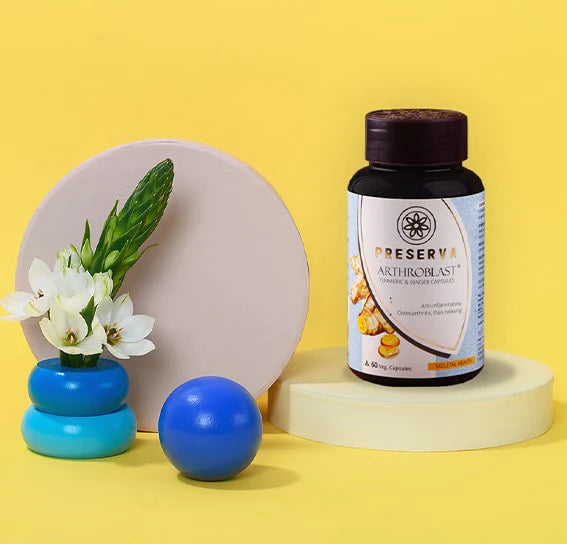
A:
x: 66, y: 391
x: 210, y: 428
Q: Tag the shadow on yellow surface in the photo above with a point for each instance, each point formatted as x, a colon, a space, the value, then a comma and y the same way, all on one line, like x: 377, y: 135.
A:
x: 146, y: 450
x: 271, y: 429
x: 253, y: 478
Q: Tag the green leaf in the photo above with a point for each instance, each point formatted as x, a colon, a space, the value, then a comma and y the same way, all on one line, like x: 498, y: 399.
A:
x: 88, y: 314
x: 87, y: 233
x: 126, y: 239
x: 106, y: 224
x: 124, y: 233
x: 111, y: 259
x: 100, y: 252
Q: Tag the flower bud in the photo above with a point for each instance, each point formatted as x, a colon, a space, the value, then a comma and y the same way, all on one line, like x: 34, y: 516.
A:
x: 87, y: 254
x: 112, y: 222
x: 68, y: 257
x: 111, y: 259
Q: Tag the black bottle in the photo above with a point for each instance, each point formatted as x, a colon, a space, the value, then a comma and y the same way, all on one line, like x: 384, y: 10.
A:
x: 416, y: 253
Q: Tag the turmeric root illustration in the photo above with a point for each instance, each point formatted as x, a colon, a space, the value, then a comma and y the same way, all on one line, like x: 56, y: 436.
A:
x: 385, y: 325
x: 359, y: 290
x: 370, y: 321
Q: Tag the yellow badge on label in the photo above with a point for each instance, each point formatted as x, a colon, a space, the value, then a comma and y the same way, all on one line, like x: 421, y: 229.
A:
x: 446, y: 365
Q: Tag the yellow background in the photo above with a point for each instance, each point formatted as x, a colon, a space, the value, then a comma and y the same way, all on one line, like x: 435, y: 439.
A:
x: 284, y: 86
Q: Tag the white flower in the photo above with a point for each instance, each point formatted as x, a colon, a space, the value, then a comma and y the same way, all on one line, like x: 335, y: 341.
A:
x: 68, y: 257
x: 125, y: 333
x: 102, y: 286
x: 74, y: 289
x: 71, y: 287
x: 22, y: 305
x: 16, y: 303
x: 68, y: 332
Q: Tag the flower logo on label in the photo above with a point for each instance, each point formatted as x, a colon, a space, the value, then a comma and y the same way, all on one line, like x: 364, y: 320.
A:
x: 416, y: 225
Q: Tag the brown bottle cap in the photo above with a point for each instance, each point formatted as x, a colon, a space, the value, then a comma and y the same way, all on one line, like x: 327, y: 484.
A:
x: 416, y: 137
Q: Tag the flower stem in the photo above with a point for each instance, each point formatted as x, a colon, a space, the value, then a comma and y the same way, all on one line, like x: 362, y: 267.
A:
x: 78, y: 361
x: 91, y: 360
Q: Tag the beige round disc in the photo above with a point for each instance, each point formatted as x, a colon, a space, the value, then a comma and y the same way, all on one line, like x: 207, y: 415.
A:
x: 228, y: 282
x: 317, y: 397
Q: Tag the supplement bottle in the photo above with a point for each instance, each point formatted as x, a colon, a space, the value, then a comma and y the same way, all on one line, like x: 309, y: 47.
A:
x: 416, y: 253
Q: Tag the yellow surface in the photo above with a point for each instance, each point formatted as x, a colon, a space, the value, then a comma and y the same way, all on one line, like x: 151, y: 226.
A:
x: 284, y: 86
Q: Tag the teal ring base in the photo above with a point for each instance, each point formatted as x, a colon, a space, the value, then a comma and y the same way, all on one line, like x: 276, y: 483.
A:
x: 76, y: 437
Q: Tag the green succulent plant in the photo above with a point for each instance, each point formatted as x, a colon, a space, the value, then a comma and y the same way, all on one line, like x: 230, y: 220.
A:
x: 124, y: 232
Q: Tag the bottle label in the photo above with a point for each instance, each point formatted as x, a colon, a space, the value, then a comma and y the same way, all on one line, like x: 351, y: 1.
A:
x: 416, y: 286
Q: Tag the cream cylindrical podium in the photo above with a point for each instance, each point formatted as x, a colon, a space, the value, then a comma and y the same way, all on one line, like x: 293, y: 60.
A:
x: 318, y: 398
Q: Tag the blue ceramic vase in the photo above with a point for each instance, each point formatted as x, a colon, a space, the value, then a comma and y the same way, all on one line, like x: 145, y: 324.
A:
x: 78, y: 413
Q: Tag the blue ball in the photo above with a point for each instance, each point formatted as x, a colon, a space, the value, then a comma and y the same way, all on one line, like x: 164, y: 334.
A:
x: 210, y: 428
